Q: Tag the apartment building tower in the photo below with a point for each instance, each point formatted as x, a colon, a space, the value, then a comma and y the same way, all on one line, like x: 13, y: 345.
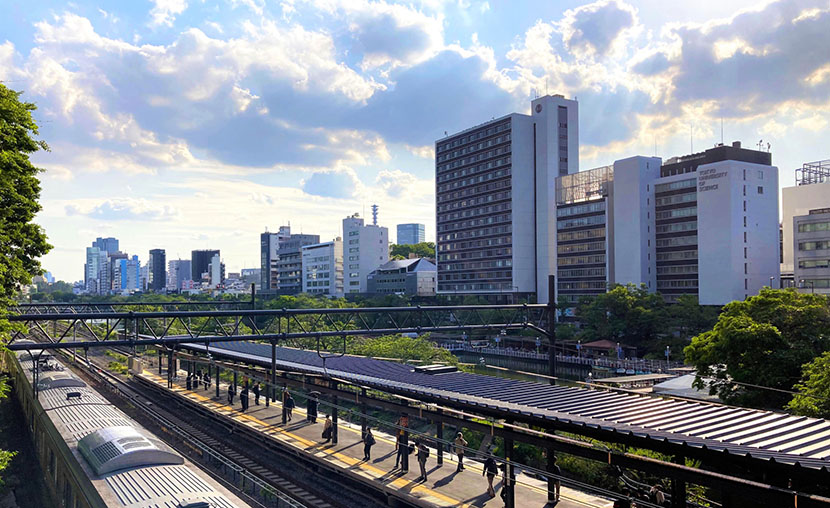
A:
x: 495, y: 193
x: 365, y: 248
x: 322, y: 268
x: 199, y: 263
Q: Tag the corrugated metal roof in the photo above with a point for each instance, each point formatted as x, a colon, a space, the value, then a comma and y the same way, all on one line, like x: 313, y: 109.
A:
x: 741, y: 431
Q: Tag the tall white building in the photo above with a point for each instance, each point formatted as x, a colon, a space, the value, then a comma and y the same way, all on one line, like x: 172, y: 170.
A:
x: 322, y: 272
x: 216, y: 271
x: 365, y: 248
x: 178, y: 271
x: 704, y: 224
x: 496, y: 200
x: 806, y: 228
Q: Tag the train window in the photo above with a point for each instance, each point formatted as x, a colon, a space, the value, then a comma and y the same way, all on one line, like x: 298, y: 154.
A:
x: 67, y: 494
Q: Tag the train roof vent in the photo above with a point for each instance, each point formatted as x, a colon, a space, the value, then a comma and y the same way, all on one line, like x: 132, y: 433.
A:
x: 436, y: 369
x: 113, y: 448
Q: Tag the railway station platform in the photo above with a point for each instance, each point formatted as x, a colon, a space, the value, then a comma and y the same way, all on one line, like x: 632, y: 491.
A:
x: 444, y: 486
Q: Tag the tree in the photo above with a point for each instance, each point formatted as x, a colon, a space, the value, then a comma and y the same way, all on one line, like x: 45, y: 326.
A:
x: 21, y: 241
x: 814, y: 390
x: 689, y: 318
x: 764, y: 341
x: 628, y: 314
x: 421, y: 250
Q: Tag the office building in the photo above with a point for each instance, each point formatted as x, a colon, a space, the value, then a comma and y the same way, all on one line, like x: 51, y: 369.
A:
x: 178, y: 271
x: 157, y: 273
x: 108, y: 244
x: 811, y: 245
x: 128, y: 274
x: 216, y: 271
x: 199, y: 261
x: 716, y: 220
x: 290, y: 263
x: 251, y: 276
x: 365, y: 247
x: 409, y: 234
x: 269, y: 244
x: 410, y: 277
x: 806, y: 228
x: 495, y: 200
x: 603, y: 236
x: 703, y: 225
x: 322, y: 268
x: 92, y: 269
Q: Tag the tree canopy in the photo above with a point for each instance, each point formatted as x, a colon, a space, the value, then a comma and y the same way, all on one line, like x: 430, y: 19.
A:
x: 764, y: 340
x: 629, y: 314
x: 814, y: 390
x: 421, y: 250
x: 21, y: 241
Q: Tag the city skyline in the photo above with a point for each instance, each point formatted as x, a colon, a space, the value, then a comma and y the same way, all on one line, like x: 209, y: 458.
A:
x: 150, y: 153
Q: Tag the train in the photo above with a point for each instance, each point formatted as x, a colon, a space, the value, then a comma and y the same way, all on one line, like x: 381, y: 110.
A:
x: 93, y: 454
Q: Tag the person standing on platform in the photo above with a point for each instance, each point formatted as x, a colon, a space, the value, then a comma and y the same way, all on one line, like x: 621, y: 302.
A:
x: 399, y: 448
x: 558, y: 472
x: 423, y: 455
x: 368, y: 443
x: 460, y: 445
x: 327, y: 429
x: 311, y: 407
x: 206, y: 380
x: 256, y: 394
x: 243, y: 398
x: 491, y: 469
x: 289, y: 405
x: 189, y: 382
x: 231, y: 393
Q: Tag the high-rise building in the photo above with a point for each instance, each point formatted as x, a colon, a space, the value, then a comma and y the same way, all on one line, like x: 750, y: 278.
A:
x: 178, y: 271
x: 409, y: 234
x: 806, y: 228
x: 495, y: 200
x: 269, y: 244
x: 289, y: 265
x: 199, y: 261
x: 92, y: 269
x: 603, y: 236
x: 322, y: 268
x: 716, y: 224
x: 108, y: 244
x: 157, y: 275
x: 128, y: 274
x: 365, y: 248
x: 216, y: 271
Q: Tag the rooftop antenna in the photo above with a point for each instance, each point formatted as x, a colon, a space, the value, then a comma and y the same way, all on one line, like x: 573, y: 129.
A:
x: 546, y: 85
x: 375, y: 215
x: 760, y: 144
x: 691, y: 140
x: 721, y: 130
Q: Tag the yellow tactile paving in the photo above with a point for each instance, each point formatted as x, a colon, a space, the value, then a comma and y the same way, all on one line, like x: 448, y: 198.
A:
x: 271, y: 429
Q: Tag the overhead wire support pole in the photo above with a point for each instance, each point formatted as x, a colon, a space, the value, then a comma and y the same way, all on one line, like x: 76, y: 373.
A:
x: 551, y: 328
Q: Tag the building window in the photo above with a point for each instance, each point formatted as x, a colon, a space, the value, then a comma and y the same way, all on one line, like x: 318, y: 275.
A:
x: 760, y: 190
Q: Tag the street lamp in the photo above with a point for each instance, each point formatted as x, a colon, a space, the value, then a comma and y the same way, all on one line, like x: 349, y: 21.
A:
x: 771, y: 279
x: 619, y: 351
x: 808, y: 282
x: 579, y: 349
x: 668, y: 352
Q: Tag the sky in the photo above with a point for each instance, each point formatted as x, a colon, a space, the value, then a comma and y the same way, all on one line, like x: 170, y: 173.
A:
x: 189, y: 124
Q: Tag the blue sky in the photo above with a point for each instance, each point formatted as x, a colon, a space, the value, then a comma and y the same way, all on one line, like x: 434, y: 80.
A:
x: 184, y: 124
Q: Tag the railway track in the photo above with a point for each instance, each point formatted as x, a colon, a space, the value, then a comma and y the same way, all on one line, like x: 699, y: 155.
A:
x: 303, y: 486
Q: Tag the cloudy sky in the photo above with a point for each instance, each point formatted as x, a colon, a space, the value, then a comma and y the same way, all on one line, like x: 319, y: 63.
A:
x: 184, y: 124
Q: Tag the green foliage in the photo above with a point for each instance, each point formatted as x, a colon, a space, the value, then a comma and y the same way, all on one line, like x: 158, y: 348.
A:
x: 116, y: 367
x: 764, y: 341
x: 5, y: 458
x: 628, y: 314
x: 421, y: 250
x: 401, y: 348
x: 814, y: 390
x: 690, y: 318
x: 21, y: 241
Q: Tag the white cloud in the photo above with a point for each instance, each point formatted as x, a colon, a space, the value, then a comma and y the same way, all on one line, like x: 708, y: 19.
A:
x: 122, y: 209
x: 335, y: 183
x: 164, y: 12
